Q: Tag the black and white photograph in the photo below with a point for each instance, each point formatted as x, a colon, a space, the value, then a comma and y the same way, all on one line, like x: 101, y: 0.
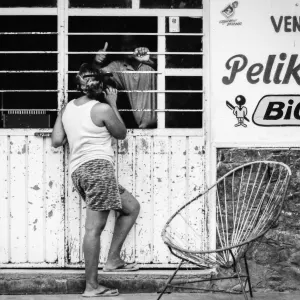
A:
x: 149, y: 149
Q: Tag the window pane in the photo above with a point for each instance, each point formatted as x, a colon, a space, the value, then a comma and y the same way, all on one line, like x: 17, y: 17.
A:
x: 187, y: 24
x: 113, y: 24
x: 125, y: 78
x: 28, y: 3
x: 102, y: 3
x: 188, y: 43
x: 28, y: 61
x: 28, y: 42
x: 31, y: 72
x: 171, y: 4
x: 185, y: 100
x: 28, y: 23
x: 28, y: 104
x: 27, y: 81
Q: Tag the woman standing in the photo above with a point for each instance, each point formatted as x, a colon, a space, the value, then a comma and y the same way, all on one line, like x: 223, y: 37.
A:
x: 89, y: 125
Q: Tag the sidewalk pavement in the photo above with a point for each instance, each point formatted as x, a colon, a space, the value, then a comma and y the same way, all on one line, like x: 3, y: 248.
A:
x: 153, y: 296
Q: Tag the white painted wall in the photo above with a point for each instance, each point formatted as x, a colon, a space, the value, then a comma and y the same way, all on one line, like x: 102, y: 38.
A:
x: 42, y: 226
x: 163, y: 171
x: 31, y: 200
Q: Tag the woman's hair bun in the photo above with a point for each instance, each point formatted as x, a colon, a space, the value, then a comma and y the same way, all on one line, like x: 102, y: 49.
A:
x: 88, y: 79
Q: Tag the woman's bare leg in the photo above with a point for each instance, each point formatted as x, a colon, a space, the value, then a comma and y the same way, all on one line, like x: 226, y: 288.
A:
x: 124, y: 222
x: 94, y: 225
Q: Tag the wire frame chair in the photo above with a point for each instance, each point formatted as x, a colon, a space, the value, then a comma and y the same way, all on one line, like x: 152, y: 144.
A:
x: 247, y: 203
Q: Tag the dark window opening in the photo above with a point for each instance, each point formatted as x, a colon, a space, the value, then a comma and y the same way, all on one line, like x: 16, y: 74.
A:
x: 184, y: 100
x: 185, y: 43
x: 102, y: 3
x: 28, y: 81
x: 28, y: 3
x: 188, y: 24
x: 22, y: 62
x: 181, y: 4
x: 28, y: 23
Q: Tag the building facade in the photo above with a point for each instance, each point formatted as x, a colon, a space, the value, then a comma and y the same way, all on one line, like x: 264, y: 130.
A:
x: 227, y: 81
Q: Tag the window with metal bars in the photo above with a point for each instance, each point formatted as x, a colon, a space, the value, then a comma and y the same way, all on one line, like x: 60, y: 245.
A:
x: 179, y: 88
x: 28, y: 71
x: 29, y: 68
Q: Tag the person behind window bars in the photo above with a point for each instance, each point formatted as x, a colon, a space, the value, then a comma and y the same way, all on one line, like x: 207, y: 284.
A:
x: 139, y: 60
x: 88, y: 126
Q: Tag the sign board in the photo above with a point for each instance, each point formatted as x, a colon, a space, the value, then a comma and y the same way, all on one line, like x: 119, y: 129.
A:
x: 255, y: 71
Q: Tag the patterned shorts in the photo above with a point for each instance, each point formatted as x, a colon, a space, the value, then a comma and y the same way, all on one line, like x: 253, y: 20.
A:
x: 96, y: 183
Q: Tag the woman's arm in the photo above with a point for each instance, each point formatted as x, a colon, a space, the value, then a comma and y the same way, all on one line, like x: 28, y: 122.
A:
x: 58, y: 136
x: 109, y: 115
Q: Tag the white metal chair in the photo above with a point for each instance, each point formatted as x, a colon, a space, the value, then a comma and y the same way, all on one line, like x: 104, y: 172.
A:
x: 248, y: 201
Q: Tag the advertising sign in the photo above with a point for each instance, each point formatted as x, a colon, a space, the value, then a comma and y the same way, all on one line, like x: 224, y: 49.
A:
x: 255, y: 71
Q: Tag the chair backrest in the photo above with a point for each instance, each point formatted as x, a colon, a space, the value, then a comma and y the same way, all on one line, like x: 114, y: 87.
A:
x: 248, y: 201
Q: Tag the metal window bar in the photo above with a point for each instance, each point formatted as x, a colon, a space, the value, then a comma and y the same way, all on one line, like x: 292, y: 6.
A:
x: 126, y: 52
x: 29, y: 52
x: 20, y: 110
x: 26, y: 91
x: 136, y: 33
x: 128, y: 72
x: 28, y: 71
x: 161, y: 62
x: 25, y: 33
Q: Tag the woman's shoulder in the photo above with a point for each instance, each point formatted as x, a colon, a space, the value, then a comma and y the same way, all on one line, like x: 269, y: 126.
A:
x: 100, y: 107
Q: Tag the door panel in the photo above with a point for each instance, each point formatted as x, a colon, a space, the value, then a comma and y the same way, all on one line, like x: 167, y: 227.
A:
x: 163, y: 171
x: 31, y: 191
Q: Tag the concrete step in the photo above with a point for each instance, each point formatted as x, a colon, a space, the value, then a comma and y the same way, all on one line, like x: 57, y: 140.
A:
x: 72, y: 281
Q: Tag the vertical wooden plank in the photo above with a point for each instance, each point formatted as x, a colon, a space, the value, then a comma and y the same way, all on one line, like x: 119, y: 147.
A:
x: 143, y: 175
x: 197, y: 212
x: 35, y: 200
x: 126, y: 179
x: 4, y: 201
x: 18, y: 191
x: 54, y: 223
x: 82, y: 216
x: 178, y: 183
x: 161, y: 253
x: 73, y: 212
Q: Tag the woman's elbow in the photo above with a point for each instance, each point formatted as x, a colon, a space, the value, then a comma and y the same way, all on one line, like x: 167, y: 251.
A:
x: 121, y: 135
x: 55, y: 143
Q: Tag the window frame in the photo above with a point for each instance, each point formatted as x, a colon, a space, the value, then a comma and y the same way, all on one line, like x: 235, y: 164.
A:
x: 63, y: 12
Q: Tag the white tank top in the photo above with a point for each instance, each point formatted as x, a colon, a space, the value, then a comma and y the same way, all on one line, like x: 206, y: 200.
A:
x: 87, y: 141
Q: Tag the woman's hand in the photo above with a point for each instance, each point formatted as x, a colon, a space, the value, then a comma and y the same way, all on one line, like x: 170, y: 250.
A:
x: 110, y: 95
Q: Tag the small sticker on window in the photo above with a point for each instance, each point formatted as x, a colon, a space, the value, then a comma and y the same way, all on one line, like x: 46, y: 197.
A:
x: 174, y: 24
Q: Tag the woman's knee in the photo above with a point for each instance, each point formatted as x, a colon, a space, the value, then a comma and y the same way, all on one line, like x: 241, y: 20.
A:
x: 94, y: 229
x: 95, y: 222
x: 136, y: 208
x: 130, y: 205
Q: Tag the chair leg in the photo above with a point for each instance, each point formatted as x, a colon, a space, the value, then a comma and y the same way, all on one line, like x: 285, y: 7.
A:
x: 248, y: 276
x: 241, y: 282
x: 170, y: 279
